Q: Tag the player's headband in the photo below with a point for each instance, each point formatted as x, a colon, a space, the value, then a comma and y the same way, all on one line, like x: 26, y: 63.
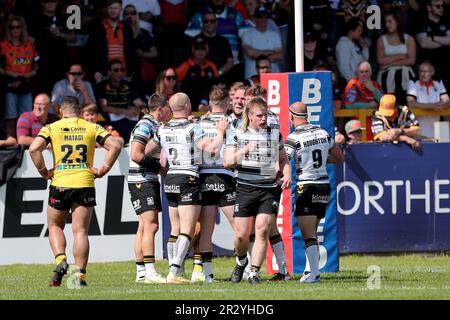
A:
x: 298, y: 114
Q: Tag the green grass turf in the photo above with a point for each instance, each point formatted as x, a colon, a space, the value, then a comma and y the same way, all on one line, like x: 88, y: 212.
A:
x: 402, y: 277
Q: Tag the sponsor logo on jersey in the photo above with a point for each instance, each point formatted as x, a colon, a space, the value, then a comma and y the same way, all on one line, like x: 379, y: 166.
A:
x: 72, y: 166
x: 316, y: 198
x: 186, y: 197
x: 137, y: 204
x: 231, y: 196
x: 150, y: 201
x: 217, y: 187
x: 173, y: 188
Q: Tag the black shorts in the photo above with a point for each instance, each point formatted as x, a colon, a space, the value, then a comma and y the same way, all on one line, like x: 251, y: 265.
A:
x: 312, y: 199
x: 218, y: 189
x: 62, y: 198
x: 182, y: 190
x: 145, y: 196
x: 251, y: 201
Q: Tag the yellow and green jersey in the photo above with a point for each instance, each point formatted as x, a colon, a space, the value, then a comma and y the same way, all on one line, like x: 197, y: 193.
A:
x: 73, y: 144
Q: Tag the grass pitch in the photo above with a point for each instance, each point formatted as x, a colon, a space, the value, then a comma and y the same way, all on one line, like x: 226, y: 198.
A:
x: 402, y: 277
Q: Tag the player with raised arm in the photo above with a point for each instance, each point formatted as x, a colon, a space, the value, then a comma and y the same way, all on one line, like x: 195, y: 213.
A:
x: 182, y: 141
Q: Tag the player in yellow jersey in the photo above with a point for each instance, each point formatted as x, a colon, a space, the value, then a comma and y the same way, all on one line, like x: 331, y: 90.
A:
x: 72, y: 188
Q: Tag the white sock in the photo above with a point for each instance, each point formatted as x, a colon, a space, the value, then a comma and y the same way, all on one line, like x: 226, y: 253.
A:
x: 140, y: 270
x: 207, y: 262
x: 312, y: 252
x: 278, y: 251
x: 241, y: 262
x: 183, y: 242
x: 149, y: 265
x: 171, y: 250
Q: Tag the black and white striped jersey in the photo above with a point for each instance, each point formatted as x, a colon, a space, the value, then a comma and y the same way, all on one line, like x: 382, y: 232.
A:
x: 258, y: 167
x: 179, y: 138
x: 143, y: 132
x: 309, y: 146
x: 214, y: 164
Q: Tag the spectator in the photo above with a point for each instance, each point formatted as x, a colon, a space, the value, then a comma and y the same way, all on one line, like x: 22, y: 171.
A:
x: 231, y: 24
x: 117, y: 97
x: 238, y: 6
x: 354, y: 8
x: 263, y: 65
x: 110, y: 40
x: 251, y: 6
x: 49, y: 29
x: 396, y: 53
x: 259, y: 40
x: 149, y: 13
x: 428, y: 94
x: 390, y: 123
x: 173, y: 24
x: 74, y: 85
x: 282, y: 12
x: 90, y: 114
x: 30, y: 123
x: 167, y: 82
x: 219, y: 48
x: 434, y: 39
x: 76, y: 49
x: 311, y: 53
x: 145, y: 50
x: 362, y: 92
x: 351, y: 49
x: 198, y: 74
x: 339, y: 138
x: 353, y: 130
x: 317, y: 15
x: 18, y: 65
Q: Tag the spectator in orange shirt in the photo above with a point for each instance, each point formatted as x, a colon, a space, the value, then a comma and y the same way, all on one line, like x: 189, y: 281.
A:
x: 362, y: 92
x: 111, y: 39
x: 18, y: 65
x: 197, y: 75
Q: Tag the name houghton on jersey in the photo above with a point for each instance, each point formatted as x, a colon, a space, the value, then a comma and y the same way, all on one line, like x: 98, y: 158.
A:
x: 314, y: 142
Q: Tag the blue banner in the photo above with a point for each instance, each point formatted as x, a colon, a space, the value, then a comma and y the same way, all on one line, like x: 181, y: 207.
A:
x: 393, y: 199
x: 315, y: 90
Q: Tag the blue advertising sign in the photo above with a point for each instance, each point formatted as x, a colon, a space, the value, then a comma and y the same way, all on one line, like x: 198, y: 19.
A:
x: 393, y: 199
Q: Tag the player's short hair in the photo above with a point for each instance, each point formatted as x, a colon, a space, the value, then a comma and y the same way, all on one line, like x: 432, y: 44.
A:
x: 70, y: 103
x: 218, y: 94
x: 157, y: 100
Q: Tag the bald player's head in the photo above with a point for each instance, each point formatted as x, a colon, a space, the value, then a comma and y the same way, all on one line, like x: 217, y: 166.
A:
x: 298, y: 112
x: 179, y: 101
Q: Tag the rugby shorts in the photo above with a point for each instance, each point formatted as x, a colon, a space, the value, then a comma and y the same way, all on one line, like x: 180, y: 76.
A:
x: 312, y: 199
x: 217, y: 190
x: 145, y: 196
x: 182, y: 189
x: 251, y: 201
x: 63, y: 198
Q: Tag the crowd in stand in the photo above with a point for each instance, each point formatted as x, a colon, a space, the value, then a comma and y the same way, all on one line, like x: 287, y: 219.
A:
x: 127, y: 50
